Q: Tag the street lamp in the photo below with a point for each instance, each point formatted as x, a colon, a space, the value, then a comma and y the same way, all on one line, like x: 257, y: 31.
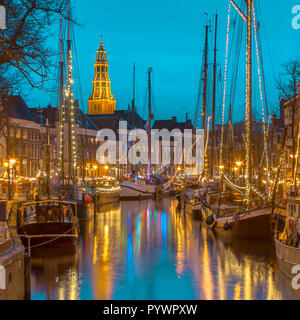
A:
x: 9, y: 166
x: 95, y: 168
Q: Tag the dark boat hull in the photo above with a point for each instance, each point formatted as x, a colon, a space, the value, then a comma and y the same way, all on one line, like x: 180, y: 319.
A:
x: 252, y: 225
x: 48, y: 234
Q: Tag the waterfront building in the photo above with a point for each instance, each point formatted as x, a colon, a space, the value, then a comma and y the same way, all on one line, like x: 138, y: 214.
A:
x: 170, y: 124
x: 291, y: 124
x: 22, y: 143
x: 86, y: 138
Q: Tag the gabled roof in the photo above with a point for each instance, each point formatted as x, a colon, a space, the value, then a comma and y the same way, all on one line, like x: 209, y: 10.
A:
x: 15, y: 107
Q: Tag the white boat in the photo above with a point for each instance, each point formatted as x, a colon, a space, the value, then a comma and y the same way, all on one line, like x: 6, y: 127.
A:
x: 287, y: 243
x: 107, y: 190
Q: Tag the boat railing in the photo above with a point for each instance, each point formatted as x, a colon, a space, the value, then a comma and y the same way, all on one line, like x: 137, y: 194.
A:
x: 52, y: 201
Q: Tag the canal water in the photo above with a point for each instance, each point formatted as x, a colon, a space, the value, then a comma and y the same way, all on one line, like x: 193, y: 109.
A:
x: 149, y: 250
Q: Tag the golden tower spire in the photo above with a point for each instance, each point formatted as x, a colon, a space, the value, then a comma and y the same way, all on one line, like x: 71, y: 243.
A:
x: 101, y: 101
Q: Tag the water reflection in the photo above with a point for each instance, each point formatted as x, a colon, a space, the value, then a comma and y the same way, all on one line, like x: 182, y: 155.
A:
x: 148, y: 250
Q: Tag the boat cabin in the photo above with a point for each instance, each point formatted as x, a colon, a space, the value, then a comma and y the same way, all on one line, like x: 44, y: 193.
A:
x: 293, y: 207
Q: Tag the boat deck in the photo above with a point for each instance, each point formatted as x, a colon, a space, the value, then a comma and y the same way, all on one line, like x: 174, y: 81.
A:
x: 254, y: 214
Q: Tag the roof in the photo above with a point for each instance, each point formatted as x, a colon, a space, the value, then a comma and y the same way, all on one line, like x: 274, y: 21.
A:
x: 15, y: 107
x: 49, y: 113
x: 172, y: 124
x: 111, y: 121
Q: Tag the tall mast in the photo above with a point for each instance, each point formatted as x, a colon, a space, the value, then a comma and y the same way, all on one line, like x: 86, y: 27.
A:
x: 69, y: 98
x: 214, y: 105
x: 149, y: 121
x: 205, y: 80
x: 133, y: 97
x: 61, y: 106
x: 205, y: 94
x: 249, y: 103
x: 47, y: 159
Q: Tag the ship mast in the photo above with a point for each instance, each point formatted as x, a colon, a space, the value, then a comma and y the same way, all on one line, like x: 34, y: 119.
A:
x: 149, y: 123
x: 67, y: 117
x: 214, y: 104
x: 69, y: 98
x: 248, y: 139
x: 61, y: 108
x: 133, y: 97
x: 205, y: 95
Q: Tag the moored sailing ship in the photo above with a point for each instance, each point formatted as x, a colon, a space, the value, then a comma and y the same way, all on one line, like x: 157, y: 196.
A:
x: 226, y: 217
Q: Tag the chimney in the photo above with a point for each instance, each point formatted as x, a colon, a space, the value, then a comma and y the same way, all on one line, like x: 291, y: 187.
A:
x: 174, y: 120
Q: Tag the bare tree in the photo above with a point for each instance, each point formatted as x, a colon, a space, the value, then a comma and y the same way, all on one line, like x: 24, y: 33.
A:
x: 23, y: 51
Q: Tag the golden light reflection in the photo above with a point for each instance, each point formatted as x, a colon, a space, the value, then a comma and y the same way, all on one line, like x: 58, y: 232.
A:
x: 180, y: 250
x: 247, y: 282
x: 207, y: 278
x: 237, y: 292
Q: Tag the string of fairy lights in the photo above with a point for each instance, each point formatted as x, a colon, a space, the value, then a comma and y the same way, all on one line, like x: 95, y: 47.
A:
x: 69, y: 94
x: 248, y: 110
x: 69, y: 105
x: 225, y: 83
x: 262, y: 103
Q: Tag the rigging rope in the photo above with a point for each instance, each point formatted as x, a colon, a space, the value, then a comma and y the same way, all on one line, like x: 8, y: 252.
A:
x: 262, y: 102
x: 225, y: 83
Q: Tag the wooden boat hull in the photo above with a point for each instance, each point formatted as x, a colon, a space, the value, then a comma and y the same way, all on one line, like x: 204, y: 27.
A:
x: 253, y: 225
x: 48, y: 234
x: 128, y: 193
x: 287, y: 257
x: 137, y: 191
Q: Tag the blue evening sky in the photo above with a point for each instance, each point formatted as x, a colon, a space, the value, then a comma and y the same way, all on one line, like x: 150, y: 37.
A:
x: 168, y: 35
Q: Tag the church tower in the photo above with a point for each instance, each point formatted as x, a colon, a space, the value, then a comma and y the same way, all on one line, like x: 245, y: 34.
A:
x: 101, y: 101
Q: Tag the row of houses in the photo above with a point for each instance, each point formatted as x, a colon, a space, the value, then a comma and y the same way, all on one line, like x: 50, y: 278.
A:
x: 25, y: 133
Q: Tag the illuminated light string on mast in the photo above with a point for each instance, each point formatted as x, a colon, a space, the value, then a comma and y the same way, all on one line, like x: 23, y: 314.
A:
x: 69, y: 100
x: 225, y: 84
x: 69, y: 95
x: 261, y: 99
x: 248, y: 111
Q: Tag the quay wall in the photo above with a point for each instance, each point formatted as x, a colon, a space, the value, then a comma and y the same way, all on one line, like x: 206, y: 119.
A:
x: 12, y: 267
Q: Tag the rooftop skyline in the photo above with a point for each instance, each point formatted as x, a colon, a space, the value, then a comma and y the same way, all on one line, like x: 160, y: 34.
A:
x: 170, y: 40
